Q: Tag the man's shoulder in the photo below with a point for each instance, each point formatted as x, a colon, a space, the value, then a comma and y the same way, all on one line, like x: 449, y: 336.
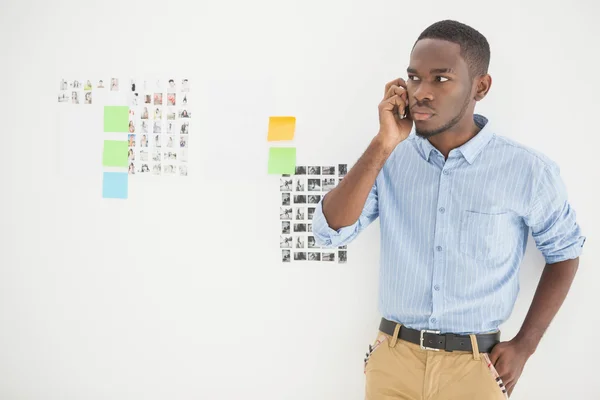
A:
x: 522, y: 153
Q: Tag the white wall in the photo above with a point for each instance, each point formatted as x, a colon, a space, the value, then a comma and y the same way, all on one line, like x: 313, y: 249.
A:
x: 179, y: 292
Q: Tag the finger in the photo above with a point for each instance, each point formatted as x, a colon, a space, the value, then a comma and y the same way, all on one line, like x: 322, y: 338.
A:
x: 393, y: 90
x: 395, y: 104
x: 396, y: 82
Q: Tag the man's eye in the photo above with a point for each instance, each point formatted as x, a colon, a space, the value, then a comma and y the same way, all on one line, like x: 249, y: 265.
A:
x: 442, y: 77
x: 412, y: 78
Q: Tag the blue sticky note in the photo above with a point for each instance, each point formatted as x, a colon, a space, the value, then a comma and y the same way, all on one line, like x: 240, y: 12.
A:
x: 114, y: 185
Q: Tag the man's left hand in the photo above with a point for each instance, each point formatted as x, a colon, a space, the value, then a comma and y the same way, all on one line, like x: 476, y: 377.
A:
x: 509, y: 359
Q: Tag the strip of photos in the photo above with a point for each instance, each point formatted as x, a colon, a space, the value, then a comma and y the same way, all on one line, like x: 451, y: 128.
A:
x: 300, y: 194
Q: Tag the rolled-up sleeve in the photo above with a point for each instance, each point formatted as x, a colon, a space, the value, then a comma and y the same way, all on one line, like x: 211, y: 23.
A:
x: 552, y: 220
x: 327, y: 237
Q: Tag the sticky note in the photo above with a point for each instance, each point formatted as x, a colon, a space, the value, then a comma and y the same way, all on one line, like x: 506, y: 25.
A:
x: 282, y: 160
x: 281, y: 128
x: 114, y: 153
x: 114, y: 185
x: 116, y: 119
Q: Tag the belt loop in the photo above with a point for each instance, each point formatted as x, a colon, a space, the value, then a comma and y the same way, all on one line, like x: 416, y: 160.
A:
x: 395, y: 335
x: 475, y: 347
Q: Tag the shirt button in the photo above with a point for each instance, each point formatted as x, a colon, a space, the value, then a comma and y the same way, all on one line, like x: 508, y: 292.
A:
x: 433, y: 319
x: 442, y: 210
x: 446, y: 172
x: 437, y: 287
x: 439, y: 248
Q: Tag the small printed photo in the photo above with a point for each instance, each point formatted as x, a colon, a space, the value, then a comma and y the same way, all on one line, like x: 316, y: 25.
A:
x: 185, y: 85
x: 131, y: 140
x: 285, y: 256
x: 156, y: 168
x: 299, y: 242
x: 311, y: 212
x: 144, y: 140
x: 342, y: 256
x: 309, y: 227
x: 170, y: 127
x: 183, y: 170
x: 75, y: 84
x: 312, y: 243
x: 144, y: 114
x: 87, y: 85
x: 134, y: 99
x: 157, y: 127
x: 184, y: 113
x: 314, y: 170
x: 144, y: 169
x: 171, y: 86
x: 314, y: 198
x: 132, y: 86
x: 314, y: 185
x: 299, y: 256
x: 185, y: 128
x: 144, y: 126
x: 131, y: 127
x: 328, y: 184
x: 170, y: 114
x: 170, y: 155
x: 328, y: 256
x: 299, y: 227
x: 131, y: 154
x: 147, y: 99
x: 158, y: 87
x: 285, y: 242
x: 329, y: 170
x: 285, y: 184
x: 285, y: 175
x: 169, y: 141
x: 299, y: 199
x: 169, y: 169
x: 183, y: 155
x: 100, y: 84
x: 300, y: 185
x: 314, y: 256
x: 156, y: 156
x: 157, y: 113
x: 300, y: 170
x: 63, y: 98
x: 158, y: 99
x: 343, y: 247
x: 286, y: 199
x: 63, y: 85
x: 342, y: 169
x: 131, y: 169
x: 285, y: 227
x: 285, y: 213
x: 184, y: 99
x: 300, y: 213
x: 183, y: 141
x: 114, y: 85
x: 75, y: 97
x: 156, y: 142
x: 171, y: 99
x: 144, y: 155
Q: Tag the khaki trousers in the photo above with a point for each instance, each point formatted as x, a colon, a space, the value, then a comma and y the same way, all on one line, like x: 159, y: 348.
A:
x: 399, y: 370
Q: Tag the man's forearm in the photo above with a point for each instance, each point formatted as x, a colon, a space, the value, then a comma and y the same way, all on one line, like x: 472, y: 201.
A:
x: 550, y: 294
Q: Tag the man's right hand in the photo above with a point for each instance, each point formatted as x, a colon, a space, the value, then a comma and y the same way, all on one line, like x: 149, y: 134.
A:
x: 394, y: 125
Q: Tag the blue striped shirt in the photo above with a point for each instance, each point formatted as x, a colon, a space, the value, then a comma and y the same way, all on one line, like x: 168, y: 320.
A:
x: 453, y: 232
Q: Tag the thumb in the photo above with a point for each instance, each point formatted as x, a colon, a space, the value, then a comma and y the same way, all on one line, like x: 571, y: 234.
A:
x: 495, y: 354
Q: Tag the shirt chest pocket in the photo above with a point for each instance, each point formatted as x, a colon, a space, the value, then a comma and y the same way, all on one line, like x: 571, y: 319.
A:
x: 484, y: 236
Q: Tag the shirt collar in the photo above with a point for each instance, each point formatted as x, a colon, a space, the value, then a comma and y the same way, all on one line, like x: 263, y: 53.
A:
x: 469, y: 150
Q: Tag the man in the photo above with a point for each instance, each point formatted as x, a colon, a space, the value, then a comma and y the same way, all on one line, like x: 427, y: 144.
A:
x: 456, y: 201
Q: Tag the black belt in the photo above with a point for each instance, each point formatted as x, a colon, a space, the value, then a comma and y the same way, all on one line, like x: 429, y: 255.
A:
x: 433, y: 340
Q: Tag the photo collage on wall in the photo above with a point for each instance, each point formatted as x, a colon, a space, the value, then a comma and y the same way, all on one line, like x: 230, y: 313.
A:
x: 300, y: 194
x: 159, y: 127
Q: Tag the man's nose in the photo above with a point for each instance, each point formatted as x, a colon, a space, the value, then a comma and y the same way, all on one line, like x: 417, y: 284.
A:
x: 423, y: 92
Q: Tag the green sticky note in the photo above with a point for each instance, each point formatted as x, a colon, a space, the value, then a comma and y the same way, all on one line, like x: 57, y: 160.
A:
x: 116, y: 119
x: 282, y: 160
x: 115, y: 153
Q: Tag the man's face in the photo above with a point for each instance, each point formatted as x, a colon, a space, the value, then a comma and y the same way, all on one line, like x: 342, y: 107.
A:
x: 438, y: 83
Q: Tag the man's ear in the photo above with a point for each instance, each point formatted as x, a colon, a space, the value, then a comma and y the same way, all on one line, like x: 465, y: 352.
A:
x: 484, y: 83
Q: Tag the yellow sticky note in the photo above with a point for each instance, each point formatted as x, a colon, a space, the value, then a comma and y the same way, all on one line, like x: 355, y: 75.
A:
x: 281, y: 128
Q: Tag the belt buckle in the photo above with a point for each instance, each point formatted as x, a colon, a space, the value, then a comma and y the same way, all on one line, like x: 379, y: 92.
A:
x: 423, y: 331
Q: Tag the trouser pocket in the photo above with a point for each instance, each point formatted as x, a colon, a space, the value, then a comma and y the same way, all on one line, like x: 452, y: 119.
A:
x: 494, y: 374
x: 381, y: 338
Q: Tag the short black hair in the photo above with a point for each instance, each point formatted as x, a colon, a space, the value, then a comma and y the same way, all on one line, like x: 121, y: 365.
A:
x: 474, y: 47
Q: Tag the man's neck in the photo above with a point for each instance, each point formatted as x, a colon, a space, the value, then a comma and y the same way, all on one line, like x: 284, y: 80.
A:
x: 449, y: 140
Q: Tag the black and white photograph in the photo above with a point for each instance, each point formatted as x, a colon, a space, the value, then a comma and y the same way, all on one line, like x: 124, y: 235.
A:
x: 143, y: 155
x: 342, y: 169
x: 342, y: 256
x: 300, y: 227
x: 312, y: 243
x: 285, y: 242
x: 314, y: 185
x: 327, y: 256
x: 183, y: 141
x: 328, y: 170
x: 144, y: 126
x: 314, y: 198
x: 170, y: 115
x: 87, y: 99
x: 156, y: 156
x: 328, y: 184
x: 285, y: 184
x: 299, y: 213
x: 299, y: 199
x: 286, y: 199
x: 74, y: 97
x: 114, y: 84
x: 285, y: 213
x: 63, y: 97
x: 308, y: 227
x: 169, y: 141
x: 314, y: 256
x: 299, y: 184
x: 299, y: 256
x: 343, y: 247
x: 156, y: 169
x: 185, y: 85
x: 157, y: 127
x: 157, y: 113
x: 169, y: 169
x: 285, y: 227
x: 311, y: 212
x: 171, y: 86
x: 299, y: 242
x: 285, y: 256
x: 183, y: 170
x: 144, y: 169
x: 170, y: 155
x: 185, y: 128
x: 314, y: 170
x: 300, y: 170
